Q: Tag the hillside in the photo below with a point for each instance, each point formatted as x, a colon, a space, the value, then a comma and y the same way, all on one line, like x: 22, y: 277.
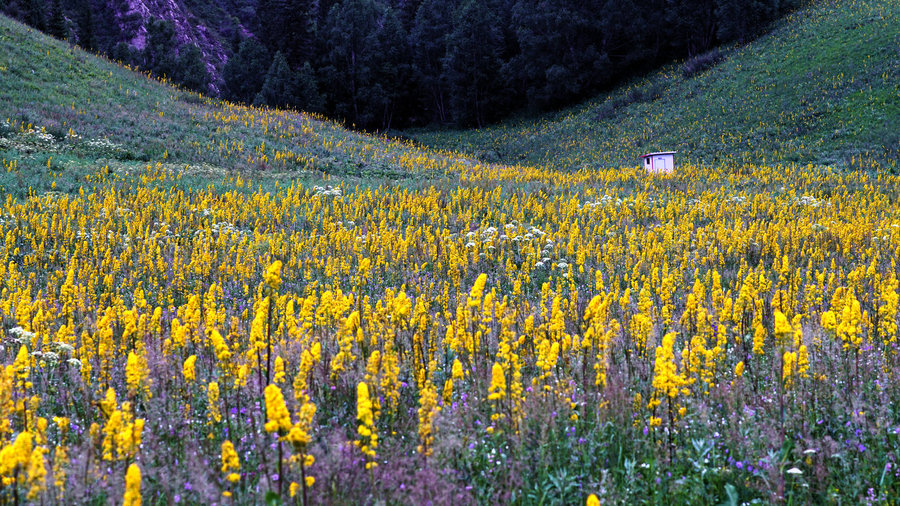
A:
x: 822, y: 87
x: 95, y: 112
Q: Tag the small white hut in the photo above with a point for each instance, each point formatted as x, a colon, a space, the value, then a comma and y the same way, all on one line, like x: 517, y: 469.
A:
x: 659, y: 163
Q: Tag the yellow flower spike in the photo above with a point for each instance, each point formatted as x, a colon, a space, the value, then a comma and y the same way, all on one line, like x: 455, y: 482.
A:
x: 789, y: 368
x: 212, y: 401
x: 279, y: 371
x: 497, y: 390
x: 278, y: 418
x: 368, y: 441
x: 272, y: 276
x: 428, y: 409
x: 187, y: 369
x: 230, y: 463
x: 37, y: 473
x: 132, y: 495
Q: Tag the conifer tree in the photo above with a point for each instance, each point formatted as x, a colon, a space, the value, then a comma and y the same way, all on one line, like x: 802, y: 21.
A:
x: 159, y: 53
x: 85, y: 25
x: 429, y: 46
x: 191, y: 70
x: 308, y: 98
x: 352, y: 49
x: 472, y: 63
x: 57, y: 24
x: 35, y: 15
x: 245, y: 72
x: 278, y: 88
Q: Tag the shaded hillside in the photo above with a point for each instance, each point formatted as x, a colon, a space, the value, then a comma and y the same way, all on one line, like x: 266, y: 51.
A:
x: 84, y: 112
x: 823, y: 87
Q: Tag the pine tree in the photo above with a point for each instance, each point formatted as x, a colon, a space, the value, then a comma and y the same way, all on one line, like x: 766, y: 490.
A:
x: 245, y: 72
x: 434, y: 21
x: 695, y: 21
x: 392, y: 69
x: 472, y: 63
x: 34, y: 14
x: 191, y: 69
x: 159, y: 53
x: 57, y: 25
x: 278, y: 88
x: 85, y: 24
x: 308, y: 98
x: 351, y: 43
x: 288, y: 26
x: 742, y: 19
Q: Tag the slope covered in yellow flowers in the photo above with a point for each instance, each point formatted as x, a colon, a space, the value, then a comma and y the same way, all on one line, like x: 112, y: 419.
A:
x: 440, y: 331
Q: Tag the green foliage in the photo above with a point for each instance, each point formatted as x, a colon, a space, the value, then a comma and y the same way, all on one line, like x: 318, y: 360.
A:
x: 85, y: 25
x: 472, y: 63
x: 191, y: 69
x: 307, y: 93
x: 57, y: 25
x: 159, y: 53
x: 245, y: 72
x: 351, y: 39
x: 279, y: 88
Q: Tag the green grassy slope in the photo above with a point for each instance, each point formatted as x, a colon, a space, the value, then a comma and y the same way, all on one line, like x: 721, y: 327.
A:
x: 822, y: 87
x: 64, y: 111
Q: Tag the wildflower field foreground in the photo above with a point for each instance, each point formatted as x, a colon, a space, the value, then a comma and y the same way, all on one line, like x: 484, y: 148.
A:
x: 499, y: 335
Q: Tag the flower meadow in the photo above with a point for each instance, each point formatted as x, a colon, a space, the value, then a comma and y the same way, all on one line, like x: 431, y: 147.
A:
x: 495, y: 335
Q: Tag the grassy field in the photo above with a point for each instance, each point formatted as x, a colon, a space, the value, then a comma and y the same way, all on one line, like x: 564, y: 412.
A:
x: 91, y: 112
x: 205, y: 303
x: 823, y: 87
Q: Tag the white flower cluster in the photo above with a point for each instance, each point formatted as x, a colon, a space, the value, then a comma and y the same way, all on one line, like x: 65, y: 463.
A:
x: 21, y: 334
x: 884, y: 235
x: 224, y: 227
x: 326, y: 191
x: 604, y: 201
x: 103, y: 144
x: 809, y: 201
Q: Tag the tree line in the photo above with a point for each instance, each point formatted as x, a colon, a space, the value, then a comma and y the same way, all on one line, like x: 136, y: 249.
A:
x: 378, y: 64
x: 382, y: 63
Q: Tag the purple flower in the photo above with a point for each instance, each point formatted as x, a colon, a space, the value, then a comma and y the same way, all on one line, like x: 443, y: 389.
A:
x: 739, y: 465
x: 861, y: 447
x: 188, y: 486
